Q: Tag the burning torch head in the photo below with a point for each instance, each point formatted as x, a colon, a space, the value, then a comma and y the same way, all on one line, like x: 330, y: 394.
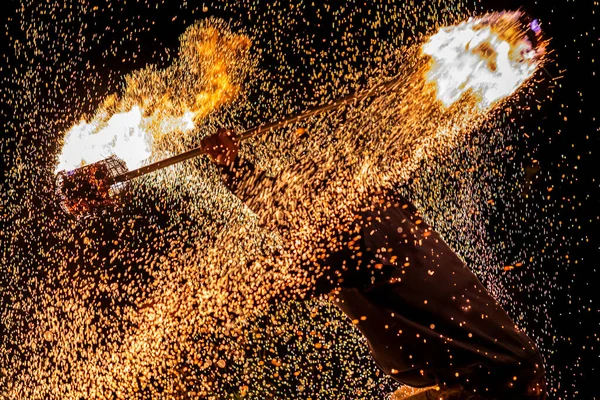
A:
x: 86, y: 190
x: 489, y: 56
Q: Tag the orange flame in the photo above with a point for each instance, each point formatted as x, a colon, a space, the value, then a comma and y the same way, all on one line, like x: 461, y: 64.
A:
x: 159, y: 107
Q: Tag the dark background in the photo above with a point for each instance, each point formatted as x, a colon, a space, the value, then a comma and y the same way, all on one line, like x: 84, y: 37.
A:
x: 74, y: 64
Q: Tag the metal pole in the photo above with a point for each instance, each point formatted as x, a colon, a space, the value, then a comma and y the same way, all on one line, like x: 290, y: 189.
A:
x: 390, y: 86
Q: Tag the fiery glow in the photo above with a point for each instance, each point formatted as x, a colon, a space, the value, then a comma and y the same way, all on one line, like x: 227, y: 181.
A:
x: 121, y: 135
x: 490, y: 57
x: 159, y: 107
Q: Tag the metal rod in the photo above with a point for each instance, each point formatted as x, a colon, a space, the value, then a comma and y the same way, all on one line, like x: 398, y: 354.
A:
x: 390, y: 86
x: 146, y: 169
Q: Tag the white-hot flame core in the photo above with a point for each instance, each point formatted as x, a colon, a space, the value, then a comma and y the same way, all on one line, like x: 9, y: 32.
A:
x: 490, y: 57
x: 122, y: 135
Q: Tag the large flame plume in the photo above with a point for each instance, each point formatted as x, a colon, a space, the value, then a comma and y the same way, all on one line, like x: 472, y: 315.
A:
x: 159, y: 107
x: 490, y: 57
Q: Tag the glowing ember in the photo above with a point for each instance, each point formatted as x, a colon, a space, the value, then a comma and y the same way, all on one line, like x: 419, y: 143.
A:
x: 490, y: 57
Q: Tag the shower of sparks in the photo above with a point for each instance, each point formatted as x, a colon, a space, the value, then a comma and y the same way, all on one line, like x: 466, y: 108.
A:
x: 171, y: 295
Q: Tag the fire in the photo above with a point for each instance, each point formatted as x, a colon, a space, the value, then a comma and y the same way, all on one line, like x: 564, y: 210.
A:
x: 490, y: 57
x: 121, y: 135
x: 160, y: 107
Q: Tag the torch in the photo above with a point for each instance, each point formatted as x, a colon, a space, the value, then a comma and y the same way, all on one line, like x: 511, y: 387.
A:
x: 94, y: 187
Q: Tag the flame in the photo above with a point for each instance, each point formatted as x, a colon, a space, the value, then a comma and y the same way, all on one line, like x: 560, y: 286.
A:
x: 160, y: 107
x: 489, y: 57
x: 121, y: 136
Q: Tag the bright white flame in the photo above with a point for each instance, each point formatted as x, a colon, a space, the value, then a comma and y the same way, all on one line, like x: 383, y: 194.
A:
x: 489, y: 56
x: 122, y: 135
